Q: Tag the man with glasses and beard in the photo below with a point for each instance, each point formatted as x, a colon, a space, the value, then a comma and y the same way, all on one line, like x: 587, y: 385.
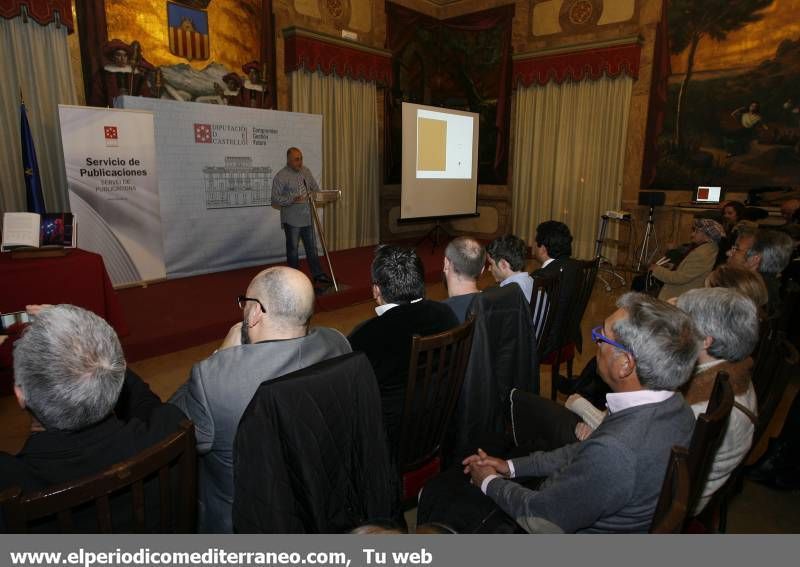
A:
x: 272, y: 340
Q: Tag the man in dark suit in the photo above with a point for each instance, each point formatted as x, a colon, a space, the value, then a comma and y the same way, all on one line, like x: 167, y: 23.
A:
x: 398, y: 286
x: 553, y: 249
x: 87, y: 412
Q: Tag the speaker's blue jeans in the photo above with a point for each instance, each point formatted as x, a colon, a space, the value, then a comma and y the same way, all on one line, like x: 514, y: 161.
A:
x: 293, y: 236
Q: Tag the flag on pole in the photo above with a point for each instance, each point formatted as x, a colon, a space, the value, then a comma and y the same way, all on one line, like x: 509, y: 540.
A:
x: 33, y: 183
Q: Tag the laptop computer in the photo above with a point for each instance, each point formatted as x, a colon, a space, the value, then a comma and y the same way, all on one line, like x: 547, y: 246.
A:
x: 707, y: 195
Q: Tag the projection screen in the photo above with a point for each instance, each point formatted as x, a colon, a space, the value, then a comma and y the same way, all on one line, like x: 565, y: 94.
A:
x: 440, y: 162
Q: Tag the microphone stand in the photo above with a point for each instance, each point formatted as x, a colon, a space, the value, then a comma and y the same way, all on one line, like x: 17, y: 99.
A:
x: 318, y: 226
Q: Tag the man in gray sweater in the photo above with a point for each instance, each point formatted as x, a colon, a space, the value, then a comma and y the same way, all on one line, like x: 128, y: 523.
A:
x: 611, y: 481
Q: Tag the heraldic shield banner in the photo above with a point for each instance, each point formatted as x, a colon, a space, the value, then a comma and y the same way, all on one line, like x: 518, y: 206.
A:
x: 188, y: 32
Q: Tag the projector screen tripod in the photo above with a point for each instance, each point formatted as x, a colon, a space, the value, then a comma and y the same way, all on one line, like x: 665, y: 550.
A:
x: 434, y: 233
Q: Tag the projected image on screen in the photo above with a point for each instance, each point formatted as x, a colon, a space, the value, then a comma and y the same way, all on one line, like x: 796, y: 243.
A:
x: 444, y: 145
x: 440, y: 162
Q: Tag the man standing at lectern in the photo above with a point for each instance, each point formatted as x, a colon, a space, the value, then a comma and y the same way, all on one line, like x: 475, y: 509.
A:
x: 289, y: 188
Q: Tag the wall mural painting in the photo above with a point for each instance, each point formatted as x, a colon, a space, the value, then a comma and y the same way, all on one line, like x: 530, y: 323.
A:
x: 462, y: 63
x: 732, y: 116
x: 187, y: 50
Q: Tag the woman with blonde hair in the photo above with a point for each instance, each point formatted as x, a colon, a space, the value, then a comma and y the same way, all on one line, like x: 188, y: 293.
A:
x: 747, y: 282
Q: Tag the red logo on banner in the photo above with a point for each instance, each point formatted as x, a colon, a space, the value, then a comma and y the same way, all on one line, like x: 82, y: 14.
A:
x: 110, y: 132
x: 202, y: 133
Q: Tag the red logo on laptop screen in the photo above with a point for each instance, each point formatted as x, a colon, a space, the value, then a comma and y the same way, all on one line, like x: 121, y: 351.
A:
x: 702, y: 193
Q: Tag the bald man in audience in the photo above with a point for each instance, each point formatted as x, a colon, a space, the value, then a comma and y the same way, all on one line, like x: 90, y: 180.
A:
x: 273, y: 339
x: 464, y: 262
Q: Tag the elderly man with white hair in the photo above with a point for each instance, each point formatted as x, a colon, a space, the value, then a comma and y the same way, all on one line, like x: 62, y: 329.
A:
x: 87, y: 412
x: 609, y: 483
x: 767, y: 252
x: 728, y: 322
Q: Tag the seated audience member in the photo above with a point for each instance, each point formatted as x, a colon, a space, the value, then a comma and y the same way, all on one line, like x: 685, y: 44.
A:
x: 698, y: 260
x: 732, y: 214
x: 87, y: 412
x: 464, y: 261
x: 398, y: 286
x: 745, y: 281
x: 273, y: 339
x: 507, y: 263
x: 610, y: 482
x: 728, y: 322
x: 553, y: 249
x: 767, y: 252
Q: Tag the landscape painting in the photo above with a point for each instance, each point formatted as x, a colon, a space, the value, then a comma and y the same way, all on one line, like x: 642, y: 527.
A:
x: 733, y: 108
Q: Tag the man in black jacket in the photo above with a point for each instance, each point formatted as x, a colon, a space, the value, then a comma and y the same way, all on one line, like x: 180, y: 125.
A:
x: 398, y: 286
x: 87, y: 412
x: 553, y: 249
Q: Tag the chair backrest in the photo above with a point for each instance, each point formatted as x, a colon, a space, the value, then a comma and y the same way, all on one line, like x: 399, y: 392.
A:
x: 708, y: 433
x: 310, y: 453
x: 586, y: 276
x: 436, y: 372
x: 766, y: 356
x: 544, y: 306
x: 673, y: 503
x: 503, y: 356
x: 770, y: 379
x: 22, y: 510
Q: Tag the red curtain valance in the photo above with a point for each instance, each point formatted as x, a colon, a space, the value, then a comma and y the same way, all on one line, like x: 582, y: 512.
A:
x: 43, y: 12
x: 577, y: 66
x: 312, y: 53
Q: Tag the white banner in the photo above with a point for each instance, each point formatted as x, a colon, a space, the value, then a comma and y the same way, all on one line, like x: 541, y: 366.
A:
x: 216, y: 165
x: 110, y: 160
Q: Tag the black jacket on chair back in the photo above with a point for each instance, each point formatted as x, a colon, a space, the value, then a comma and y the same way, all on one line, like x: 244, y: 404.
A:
x: 503, y: 357
x: 310, y: 454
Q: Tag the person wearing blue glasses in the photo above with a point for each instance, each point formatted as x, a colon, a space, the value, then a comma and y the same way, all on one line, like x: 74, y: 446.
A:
x: 646, y: 350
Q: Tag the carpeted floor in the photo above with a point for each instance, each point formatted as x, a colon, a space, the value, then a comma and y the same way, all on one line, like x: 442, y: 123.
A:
x: 177, y: 314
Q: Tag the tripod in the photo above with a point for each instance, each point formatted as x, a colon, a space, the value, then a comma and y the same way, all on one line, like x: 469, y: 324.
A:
x: 604, y: 264
x: 433, y: 235
x: 650, y: 239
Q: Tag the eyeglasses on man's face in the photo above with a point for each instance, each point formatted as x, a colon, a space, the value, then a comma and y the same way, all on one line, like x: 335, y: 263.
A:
x: 598, y: 337
x: 241, y: 301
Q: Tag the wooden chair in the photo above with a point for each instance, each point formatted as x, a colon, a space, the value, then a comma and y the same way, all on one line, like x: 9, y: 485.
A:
x: 766, y: 356
x: 436, y: 372
x: 586, y: 276
x: 771, y: 373
x: 22, y: 510
x: 544, y: 306
x: 772, y: 377
x: 708, y: 433
x: 673, y: 503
